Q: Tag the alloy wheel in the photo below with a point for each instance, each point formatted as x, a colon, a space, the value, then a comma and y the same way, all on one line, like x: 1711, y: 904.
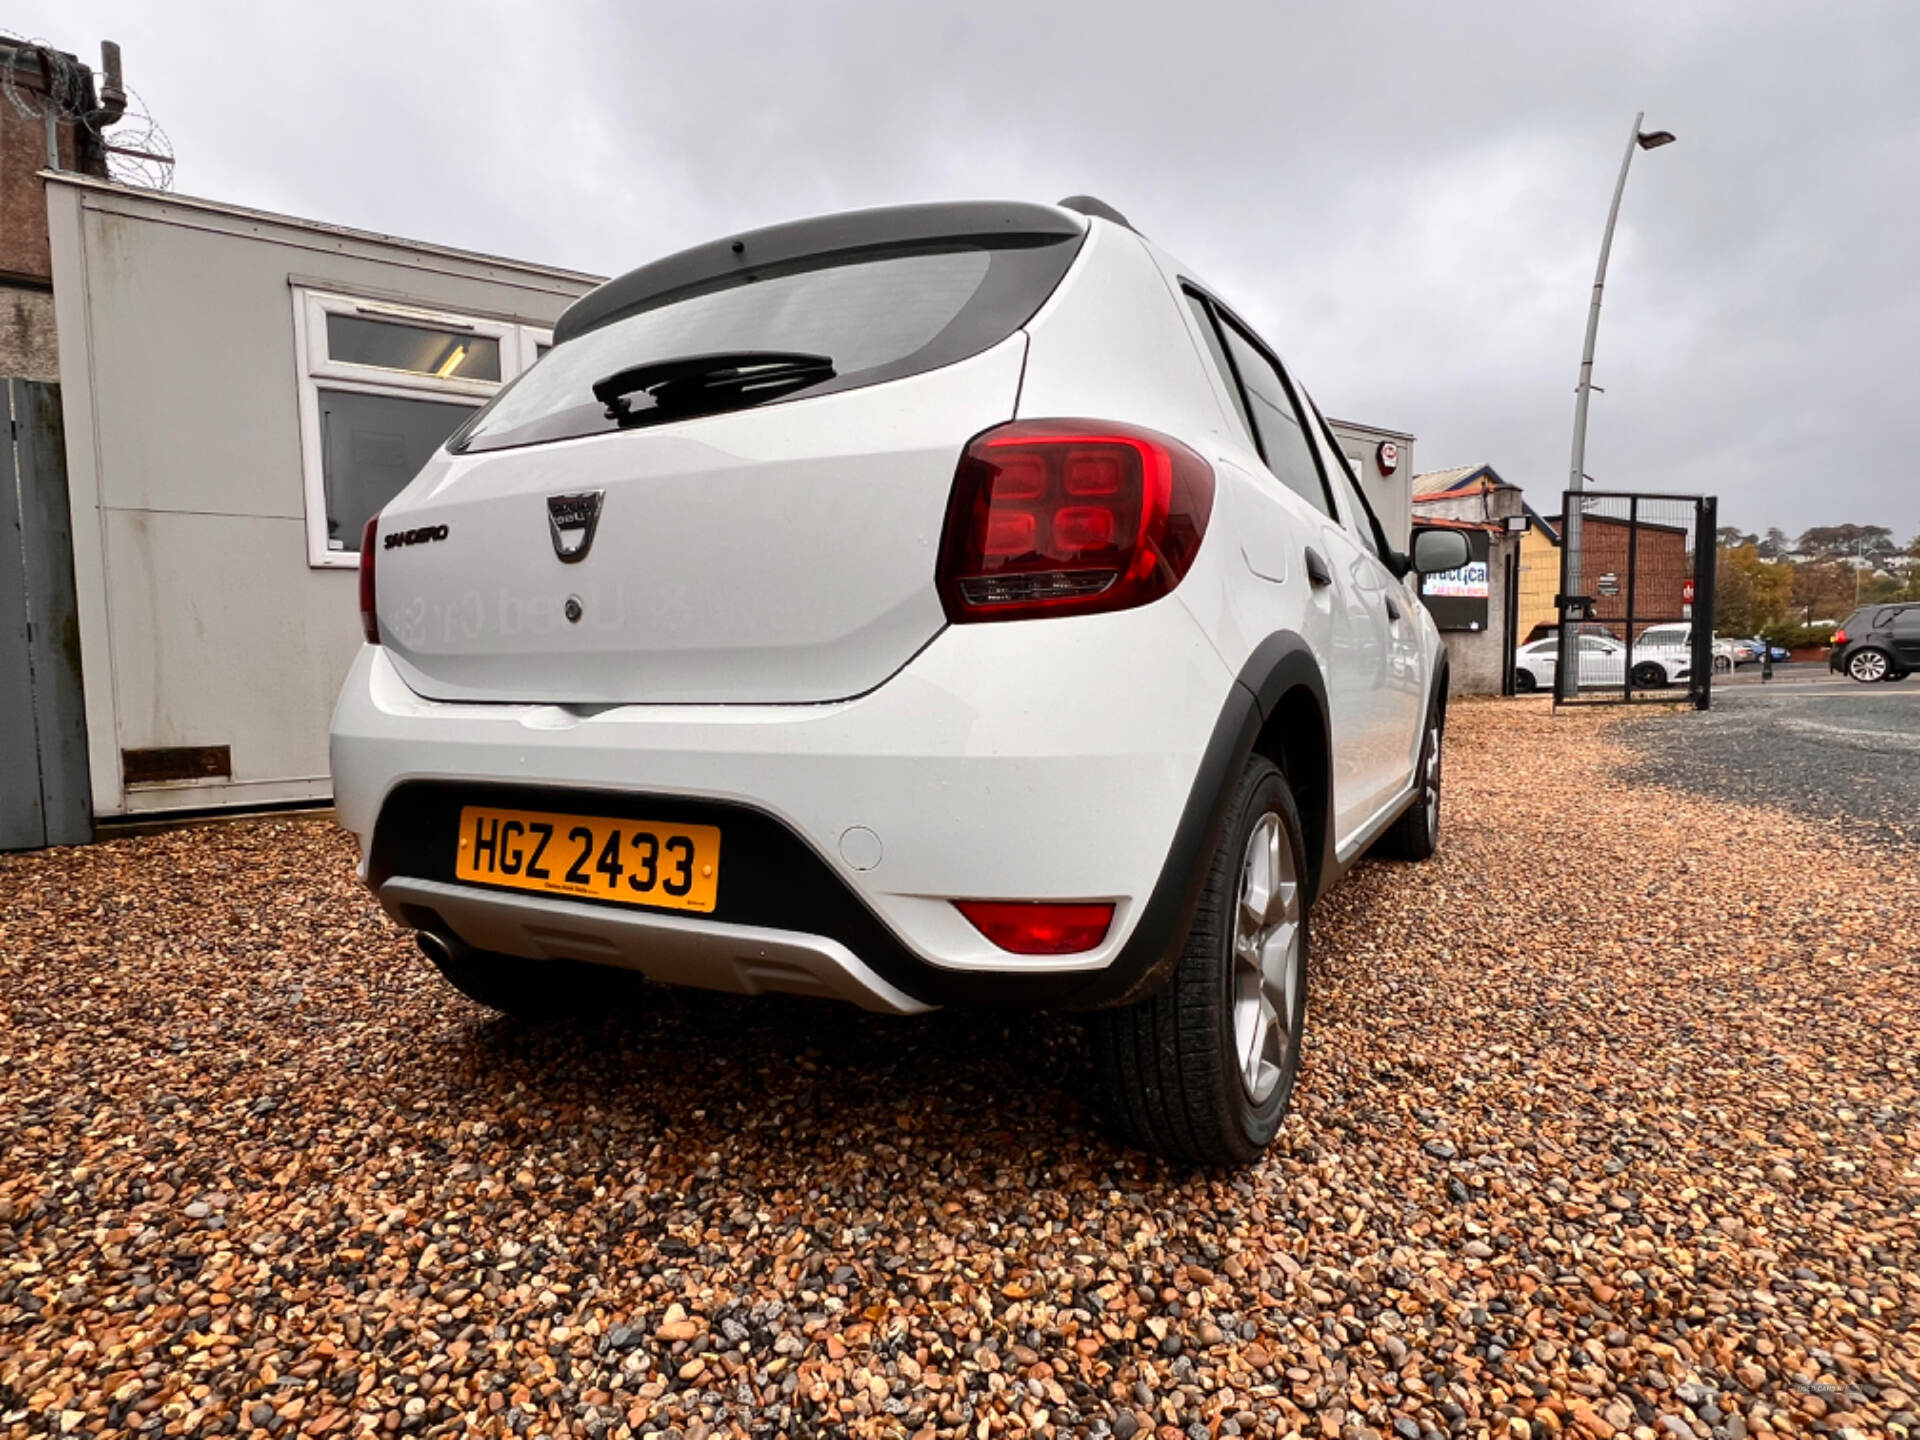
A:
x: 1267, y: 960
x: 1868, y: 667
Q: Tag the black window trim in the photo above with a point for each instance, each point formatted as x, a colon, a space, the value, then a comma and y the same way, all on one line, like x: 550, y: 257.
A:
x: 1223, y: 313
x: 1366, y: 505
x: 1232, y: 377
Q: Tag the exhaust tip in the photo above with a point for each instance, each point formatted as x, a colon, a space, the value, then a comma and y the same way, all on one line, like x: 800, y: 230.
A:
x: 435, y: 946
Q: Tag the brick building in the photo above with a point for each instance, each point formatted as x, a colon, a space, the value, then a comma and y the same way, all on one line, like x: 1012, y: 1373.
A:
x: 57, y: 124
x: 1662, y: 564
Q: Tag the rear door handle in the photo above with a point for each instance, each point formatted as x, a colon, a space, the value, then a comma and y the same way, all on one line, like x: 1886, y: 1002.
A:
x: 1318, y: 575
x: 1393, y: 611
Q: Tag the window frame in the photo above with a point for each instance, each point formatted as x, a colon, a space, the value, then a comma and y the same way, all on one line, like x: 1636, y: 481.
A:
x: 1381, y: 549
x: 315, y: 370
x: 1223, y: 315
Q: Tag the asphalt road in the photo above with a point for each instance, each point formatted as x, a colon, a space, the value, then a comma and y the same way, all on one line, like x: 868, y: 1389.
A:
x: 1809, y: 742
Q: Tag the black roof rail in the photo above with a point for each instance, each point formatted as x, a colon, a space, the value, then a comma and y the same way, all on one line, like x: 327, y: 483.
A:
x: 1090, y: 205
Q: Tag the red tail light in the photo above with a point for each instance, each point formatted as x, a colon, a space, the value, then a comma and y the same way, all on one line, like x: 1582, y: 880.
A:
x: 1028, y: 927
x: 1068, y: 517
x: 1840, y: 636
x: 369, y: 622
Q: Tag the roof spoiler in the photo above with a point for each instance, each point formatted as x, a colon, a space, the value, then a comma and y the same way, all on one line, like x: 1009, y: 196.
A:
x: 706, y: 266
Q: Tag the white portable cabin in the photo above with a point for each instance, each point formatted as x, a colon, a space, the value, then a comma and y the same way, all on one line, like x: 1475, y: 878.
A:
x: 240, y: 391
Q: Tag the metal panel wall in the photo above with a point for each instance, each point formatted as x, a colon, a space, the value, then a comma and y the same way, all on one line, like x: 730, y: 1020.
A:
x: 204, y: 623
x: 44, y: 797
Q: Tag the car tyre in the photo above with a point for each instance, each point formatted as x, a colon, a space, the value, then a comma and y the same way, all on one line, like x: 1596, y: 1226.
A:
x: 1202, y: 1069
x: 1722, y: 664
x: 1524, y: 683
x: 533, y: 991
x: 1869, y: 666
x: 1416, y: 834
x: 1649, y: 676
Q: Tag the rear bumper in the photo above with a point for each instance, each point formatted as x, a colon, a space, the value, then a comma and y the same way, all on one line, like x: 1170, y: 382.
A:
x: 712, y: 955
x: 1048, y: 760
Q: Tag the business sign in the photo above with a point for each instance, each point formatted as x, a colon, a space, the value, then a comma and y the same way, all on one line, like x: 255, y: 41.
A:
x: 1457, y: 599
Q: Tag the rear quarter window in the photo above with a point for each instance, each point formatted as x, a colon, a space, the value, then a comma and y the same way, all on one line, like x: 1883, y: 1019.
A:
x: 877, y: 315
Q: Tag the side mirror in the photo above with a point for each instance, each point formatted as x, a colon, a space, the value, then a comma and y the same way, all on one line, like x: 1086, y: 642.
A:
x: 1435, y: 551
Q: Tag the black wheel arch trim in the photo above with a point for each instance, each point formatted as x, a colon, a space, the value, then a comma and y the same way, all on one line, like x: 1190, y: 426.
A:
x: 1280, y: 664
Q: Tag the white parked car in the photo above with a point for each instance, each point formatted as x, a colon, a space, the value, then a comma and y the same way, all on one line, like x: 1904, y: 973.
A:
x: 1663, y: 654
x: 951, y: 604
x: 1603, y: 663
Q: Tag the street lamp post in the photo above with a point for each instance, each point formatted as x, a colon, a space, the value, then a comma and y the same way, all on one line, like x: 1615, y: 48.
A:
x: 1567, y: 670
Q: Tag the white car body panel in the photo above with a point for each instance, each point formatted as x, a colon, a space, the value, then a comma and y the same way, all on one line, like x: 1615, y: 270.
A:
x: 1378, y: 673
x: 783, y: 646
x: 833, y: 506
x: 980, y: 767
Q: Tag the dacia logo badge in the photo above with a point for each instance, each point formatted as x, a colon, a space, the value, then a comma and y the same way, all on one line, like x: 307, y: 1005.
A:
x: 572, y: 519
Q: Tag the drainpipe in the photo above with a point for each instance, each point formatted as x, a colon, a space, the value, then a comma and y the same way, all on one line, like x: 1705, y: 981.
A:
x: 113, y: 93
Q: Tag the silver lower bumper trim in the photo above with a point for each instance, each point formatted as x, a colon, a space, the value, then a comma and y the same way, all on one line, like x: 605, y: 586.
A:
x: 673, y: 949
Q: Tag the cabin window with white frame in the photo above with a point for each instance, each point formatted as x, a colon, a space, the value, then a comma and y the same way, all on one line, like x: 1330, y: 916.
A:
x: 382, y: 386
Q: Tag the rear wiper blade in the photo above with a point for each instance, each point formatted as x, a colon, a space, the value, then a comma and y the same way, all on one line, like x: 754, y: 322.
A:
x: 688, y: 384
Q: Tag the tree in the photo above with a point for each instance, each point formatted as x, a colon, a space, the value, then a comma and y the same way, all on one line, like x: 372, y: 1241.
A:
x: 1727, y: 536
x: 1838, y: 540
x: 1750, y: 595
x: 1776, y: 544
x: 1824, y: 590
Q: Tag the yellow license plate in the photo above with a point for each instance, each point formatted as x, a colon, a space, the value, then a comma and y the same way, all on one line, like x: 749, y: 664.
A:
x: 637, y: 862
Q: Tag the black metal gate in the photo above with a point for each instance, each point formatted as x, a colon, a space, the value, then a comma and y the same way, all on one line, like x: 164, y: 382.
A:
x: 44, y: 797
x: 1636, y: 598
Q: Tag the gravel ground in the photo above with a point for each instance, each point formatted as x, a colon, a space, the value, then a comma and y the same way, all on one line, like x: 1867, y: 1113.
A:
x: 1608, y: 1125
x: 1832, y: 748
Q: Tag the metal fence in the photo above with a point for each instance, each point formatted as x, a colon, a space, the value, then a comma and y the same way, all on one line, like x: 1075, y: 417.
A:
x: 44, y: 796
x: 1636, y: 598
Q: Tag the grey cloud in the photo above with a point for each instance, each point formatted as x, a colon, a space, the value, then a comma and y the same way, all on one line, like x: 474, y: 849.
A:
x: 1406, y: 198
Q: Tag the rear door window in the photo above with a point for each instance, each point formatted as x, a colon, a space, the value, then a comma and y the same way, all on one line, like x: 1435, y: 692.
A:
x: 1283, y: 439
x: 1353, y: 501
x: 875, y: 316
x: 1203, y: 316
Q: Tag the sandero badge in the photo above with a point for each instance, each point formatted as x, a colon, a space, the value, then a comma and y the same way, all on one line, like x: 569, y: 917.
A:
x: 572, y: 519
x: 420, y: 535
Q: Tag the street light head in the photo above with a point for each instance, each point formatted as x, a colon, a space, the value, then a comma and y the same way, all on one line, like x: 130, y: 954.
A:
x: 1654, y: 139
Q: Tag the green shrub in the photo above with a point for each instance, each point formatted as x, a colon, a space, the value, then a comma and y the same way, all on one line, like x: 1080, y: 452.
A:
x: 1795, y: 637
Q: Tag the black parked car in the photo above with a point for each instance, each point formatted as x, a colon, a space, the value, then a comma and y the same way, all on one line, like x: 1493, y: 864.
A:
x: 1878, y: 642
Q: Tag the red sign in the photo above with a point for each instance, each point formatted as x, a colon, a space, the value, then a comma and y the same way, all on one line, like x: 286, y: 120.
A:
x: 1686, y: 592
x: 1389, y: 457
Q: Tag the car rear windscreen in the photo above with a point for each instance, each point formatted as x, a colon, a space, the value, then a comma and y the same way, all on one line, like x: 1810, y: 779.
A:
x: 875, y: 315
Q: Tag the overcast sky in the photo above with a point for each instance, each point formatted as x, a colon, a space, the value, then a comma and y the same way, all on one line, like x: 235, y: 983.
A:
x: 1406, y: 199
